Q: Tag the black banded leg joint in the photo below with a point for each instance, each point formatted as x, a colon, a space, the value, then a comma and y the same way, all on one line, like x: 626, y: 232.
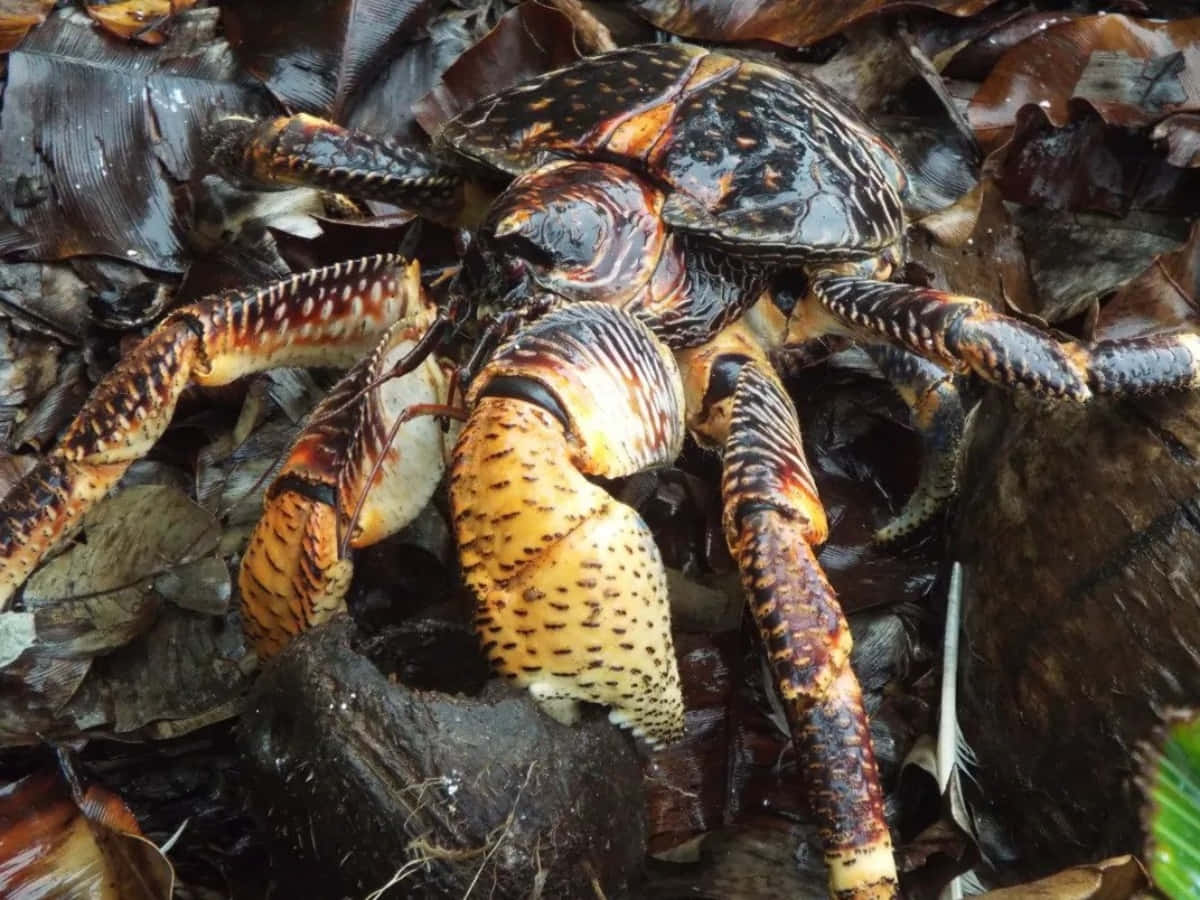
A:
x: 936, y: 412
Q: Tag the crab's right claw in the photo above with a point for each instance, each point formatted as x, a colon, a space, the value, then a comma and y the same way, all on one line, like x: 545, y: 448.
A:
x: 571, y: 589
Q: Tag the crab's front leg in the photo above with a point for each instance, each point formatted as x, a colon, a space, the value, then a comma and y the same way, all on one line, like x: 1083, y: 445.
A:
x: 966, y: 334
x: 773, y: 520
x: 366, y: 463
x: 305, y: 151
x: 328, y: 316
x: 571, y: 590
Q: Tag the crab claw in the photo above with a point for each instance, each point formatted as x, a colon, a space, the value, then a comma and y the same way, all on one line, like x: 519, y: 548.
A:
x: 571, y: 589
x: 295, y: 573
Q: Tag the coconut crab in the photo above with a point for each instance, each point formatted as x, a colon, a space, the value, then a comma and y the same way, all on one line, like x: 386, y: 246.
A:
x: 623, y: 279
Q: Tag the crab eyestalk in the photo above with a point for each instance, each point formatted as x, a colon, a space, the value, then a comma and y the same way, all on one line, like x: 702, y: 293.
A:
x: 571, y: 591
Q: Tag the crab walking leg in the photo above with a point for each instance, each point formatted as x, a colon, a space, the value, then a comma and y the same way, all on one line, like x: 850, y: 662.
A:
x: 305, y: 151
x: 773, y: 520
x: 964, y: 333
x: 294, y: 574
x: 328, y: 316
x: 937, y: 414
x: 571, y: 589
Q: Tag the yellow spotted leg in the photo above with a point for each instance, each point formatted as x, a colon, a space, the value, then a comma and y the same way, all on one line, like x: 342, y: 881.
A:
x: 571, y: 591
x: 330, y: 316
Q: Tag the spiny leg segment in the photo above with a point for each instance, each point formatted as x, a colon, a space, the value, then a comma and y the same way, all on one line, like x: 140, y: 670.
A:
x: 329, y: 316
x: 773, y: 520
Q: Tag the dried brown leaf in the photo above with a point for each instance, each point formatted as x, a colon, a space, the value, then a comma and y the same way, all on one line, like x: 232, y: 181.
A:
x: 17, y: 17
x: 793, y: 23
x: 1118, y: 878
x: 1132, y: 71
x: 138, y: 20
x: 51, y: 847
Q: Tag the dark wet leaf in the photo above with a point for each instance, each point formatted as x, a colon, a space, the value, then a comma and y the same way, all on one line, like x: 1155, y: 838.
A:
x: 794, y: 23
x: 1133, y: 72
x: 385, y: 107
x: 138, y: 20
x: 1165, y: 297
x: 1077, y: 260
x: 17, y: 17
x: 52, y: 847
x: 1088, y: 165
x: 96, y: 135
x: 315, y: 56
x: 528, y: 40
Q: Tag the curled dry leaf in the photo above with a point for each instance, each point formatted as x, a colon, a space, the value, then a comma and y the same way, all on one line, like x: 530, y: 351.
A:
x: 17, y: 17
x: 138, y: 20
x: 528, y: 40
x: 1119, y: 878
x: 96, y: 135
x: 51, y: 846
x: 793, y: 23
x: 1133, y: 72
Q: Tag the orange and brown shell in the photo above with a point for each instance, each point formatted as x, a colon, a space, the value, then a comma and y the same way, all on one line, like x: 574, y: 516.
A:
x: 756, y: 160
